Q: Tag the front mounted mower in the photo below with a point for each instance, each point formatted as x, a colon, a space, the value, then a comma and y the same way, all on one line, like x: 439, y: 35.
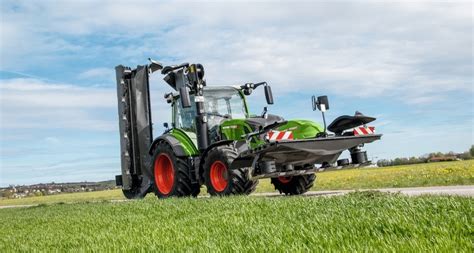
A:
x: 213, y: 140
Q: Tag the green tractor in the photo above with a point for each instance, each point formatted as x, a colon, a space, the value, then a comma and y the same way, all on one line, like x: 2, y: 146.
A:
x: 214, y: 141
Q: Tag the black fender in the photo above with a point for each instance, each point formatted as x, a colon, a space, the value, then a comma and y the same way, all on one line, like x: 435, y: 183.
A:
x: 173, y: 142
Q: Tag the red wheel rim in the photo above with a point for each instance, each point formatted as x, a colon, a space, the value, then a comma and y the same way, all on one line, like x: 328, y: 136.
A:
x: 218, y: 176
x: 284, y: 180
x: 164, y: 173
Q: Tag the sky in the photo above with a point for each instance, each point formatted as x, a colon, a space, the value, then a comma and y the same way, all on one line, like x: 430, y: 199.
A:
x: 410, y: 64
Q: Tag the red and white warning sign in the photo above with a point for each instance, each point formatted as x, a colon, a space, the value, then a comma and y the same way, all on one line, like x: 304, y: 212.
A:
x: 364, y: 130
x: 279, y: 135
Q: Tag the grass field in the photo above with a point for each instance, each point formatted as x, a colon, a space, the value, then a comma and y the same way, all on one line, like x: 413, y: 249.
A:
x: 432, y: 174
x: 364, y: 221
x: 66, y: 198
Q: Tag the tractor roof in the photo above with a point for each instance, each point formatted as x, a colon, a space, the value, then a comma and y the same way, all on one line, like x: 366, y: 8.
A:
x: 226, y: 87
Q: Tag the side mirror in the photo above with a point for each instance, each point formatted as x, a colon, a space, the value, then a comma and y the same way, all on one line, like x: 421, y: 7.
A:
x: 165, y: 125
x: 323, y: 103
x: 268, y: 94
x: 248, y: 91
x: 184, y: 96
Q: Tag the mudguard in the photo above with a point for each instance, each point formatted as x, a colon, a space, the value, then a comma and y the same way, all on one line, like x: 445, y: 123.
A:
x: 172, y: 141
x: 175, y: 145
x: 345, y: 122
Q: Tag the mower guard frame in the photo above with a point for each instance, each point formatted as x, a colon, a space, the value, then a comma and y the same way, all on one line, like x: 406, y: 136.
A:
x: 305, y: 152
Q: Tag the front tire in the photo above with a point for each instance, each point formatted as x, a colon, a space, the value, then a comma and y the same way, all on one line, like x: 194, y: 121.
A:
x: 295, y: 185
x: 220, y: 179
x: 171, y: 174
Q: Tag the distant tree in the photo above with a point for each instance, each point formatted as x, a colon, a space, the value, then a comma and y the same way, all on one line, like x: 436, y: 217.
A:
x: 471, y: 151
x: 7, y: 194
x: 466, y: 155
x: 384, y: 162
x: 436, y: 154
x: 397, y: 161
x: 414, y: 160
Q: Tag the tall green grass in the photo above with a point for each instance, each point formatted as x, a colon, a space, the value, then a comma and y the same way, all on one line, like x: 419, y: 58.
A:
x: 369, y: 221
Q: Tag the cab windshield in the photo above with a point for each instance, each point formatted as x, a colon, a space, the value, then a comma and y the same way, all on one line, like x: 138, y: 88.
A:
x: 224, y: 103
x: 220, y: 104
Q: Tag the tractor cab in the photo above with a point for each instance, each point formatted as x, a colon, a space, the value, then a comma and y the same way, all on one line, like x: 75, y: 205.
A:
x: 220, y: 103
x: 226, y: 111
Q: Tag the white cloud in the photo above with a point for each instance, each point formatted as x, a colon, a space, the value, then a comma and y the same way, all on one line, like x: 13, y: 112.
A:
x: 39, y: 94
x: 37, y: 104
x: 418, y: 52
x: 52, y: 140
x: 98, y: 73
x: 356, y: 49
x: 32, y: 103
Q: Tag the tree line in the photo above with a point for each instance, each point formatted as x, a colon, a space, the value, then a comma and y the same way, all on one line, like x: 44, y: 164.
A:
x: 436, y: 156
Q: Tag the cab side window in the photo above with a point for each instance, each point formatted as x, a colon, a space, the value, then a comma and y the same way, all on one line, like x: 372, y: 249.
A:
x: 184, y: 118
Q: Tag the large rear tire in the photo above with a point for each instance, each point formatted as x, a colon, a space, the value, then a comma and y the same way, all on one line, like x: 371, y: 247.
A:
x: 171, y: 174
x: 220, y: 179
x: 295, y: 185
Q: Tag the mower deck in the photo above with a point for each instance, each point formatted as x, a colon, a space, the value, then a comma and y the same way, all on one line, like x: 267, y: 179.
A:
x: 302, y: 152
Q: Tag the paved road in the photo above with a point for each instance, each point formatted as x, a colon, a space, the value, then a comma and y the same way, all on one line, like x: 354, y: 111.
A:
x: 464, y: 190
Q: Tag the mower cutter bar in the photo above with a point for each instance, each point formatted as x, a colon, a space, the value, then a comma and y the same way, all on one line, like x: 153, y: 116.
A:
x: 135, y: 127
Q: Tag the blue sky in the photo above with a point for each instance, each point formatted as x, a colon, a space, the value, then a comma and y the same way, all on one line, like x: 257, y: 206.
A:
x: 408, y: 64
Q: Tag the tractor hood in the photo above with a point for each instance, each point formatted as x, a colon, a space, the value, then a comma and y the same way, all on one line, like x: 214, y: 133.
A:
x: 234, y: 129
x: 301, y: 129
x: 260, y: 122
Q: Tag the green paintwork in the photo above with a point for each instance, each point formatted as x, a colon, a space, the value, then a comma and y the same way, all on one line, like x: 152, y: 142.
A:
x: 188, y: 141
x: 235, y: 129
x: 302, y: 129
x: 242, y: 95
